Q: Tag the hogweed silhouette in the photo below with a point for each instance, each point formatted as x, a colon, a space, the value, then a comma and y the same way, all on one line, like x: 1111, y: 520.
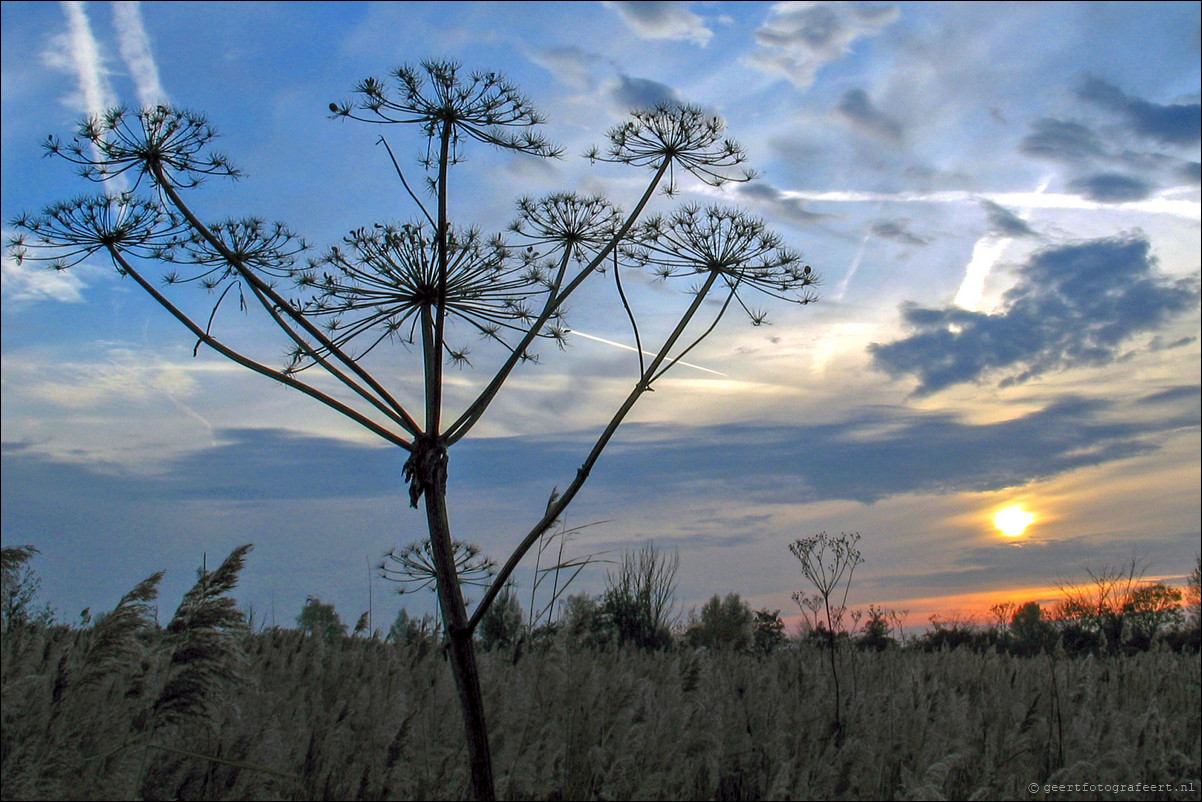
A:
x: 428, y: 284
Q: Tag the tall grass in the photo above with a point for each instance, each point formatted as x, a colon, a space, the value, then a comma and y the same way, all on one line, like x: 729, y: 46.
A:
x: 288, y: 716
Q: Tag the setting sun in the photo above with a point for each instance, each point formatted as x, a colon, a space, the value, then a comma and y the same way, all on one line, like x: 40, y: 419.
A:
x: 1013, y: 520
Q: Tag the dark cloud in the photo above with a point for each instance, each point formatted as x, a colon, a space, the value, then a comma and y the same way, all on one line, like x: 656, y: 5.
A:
x: 790, y: 209
x: 872, y: 454
x: 886, y: 452
x: 1191, y: 393
x: 641, y: 93
x: 315, y: 507
x: 1005, y: 223
x: 857, y: 108
x: 1190, y: 173
x: 1111, y: 188
x: 257, y: 464
x: 1062, y: 141
x: 1073, y: 305
x: 898, y: 231
x: 1176, y: 124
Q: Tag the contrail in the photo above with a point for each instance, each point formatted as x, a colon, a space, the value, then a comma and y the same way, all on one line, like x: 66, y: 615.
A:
x: 1187, y: 209
x: 645, y: 353
x: 85, y: 57
x: 134, y: 45
x: 859, y: 257
x: 83, y: 52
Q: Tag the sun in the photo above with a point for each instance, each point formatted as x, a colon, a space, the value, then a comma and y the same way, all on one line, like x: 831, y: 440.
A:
x: 1013, y: 520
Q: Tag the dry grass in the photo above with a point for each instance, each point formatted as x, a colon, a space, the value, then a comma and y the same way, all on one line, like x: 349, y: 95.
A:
x: 361, y: 719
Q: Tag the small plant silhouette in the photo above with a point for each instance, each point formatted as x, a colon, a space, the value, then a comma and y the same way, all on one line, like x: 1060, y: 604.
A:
x: 428, y: 284
x: 829, y: 563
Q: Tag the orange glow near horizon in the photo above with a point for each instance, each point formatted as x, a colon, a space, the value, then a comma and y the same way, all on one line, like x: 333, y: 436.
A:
x: 1013, y: 520
x: 975, y: 607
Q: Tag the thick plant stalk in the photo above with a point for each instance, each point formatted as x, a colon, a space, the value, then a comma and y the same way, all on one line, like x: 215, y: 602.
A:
x: 462, y: 648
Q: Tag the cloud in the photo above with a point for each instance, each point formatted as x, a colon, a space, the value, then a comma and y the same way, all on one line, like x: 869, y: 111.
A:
x: 663, y: 20
x: 898, y: 231
x: 137, y: 54
x: 1119, y: 168
x: 1073, y: 306
x: 874, y: 454
x: 26, y: 282
x: 79, y: 52
x: 857, y: 108
x: 1112, y: 188
x: 1190, y: 173
x: 1062, y: 141
x: 779, y: 205
x: 871, y: 454
x: 1175, y: 124
x: 1004, y: 566
x: 314, y: 505
x: 571, y: 65
x: 124, y: 374
x: 799, y: 38
x: 1005, y: 223
x: 640, y: 93
x: 600, y: 78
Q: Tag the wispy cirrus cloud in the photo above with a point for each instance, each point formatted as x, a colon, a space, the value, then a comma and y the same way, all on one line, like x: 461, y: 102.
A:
x: 80, y: 52
x: 23, y: 283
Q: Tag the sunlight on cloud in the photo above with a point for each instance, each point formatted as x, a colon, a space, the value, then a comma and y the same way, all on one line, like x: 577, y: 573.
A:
x: 27, y: 283
x: 985, y: 254
x: 126, y: 376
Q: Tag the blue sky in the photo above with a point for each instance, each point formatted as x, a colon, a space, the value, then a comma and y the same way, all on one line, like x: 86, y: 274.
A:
x: 1002, y: 200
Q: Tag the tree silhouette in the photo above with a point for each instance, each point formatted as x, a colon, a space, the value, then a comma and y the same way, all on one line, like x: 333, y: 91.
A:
x: 428, y: 283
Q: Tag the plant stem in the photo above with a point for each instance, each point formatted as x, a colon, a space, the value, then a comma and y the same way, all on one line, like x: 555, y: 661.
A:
x: 582, y: 473
x: 462, y: 647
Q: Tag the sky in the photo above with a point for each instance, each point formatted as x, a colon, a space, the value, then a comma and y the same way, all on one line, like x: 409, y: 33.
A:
x: 1002, y: 201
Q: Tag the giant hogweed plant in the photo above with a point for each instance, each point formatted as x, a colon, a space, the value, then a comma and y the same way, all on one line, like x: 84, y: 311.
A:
x: 432, y: 285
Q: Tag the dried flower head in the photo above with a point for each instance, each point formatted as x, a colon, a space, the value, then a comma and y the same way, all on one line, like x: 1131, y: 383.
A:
x: 414, y: 566
x: 66, y: 234
x: 581, y: 225
x: 269, y: 249
x: 680, y: 135
x: 738, y: 248
x: 377, y: 287
x: 159, y: 142
x: 436, y: 95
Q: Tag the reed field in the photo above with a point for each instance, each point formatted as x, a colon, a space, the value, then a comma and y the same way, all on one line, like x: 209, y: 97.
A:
x: 164, y: 713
